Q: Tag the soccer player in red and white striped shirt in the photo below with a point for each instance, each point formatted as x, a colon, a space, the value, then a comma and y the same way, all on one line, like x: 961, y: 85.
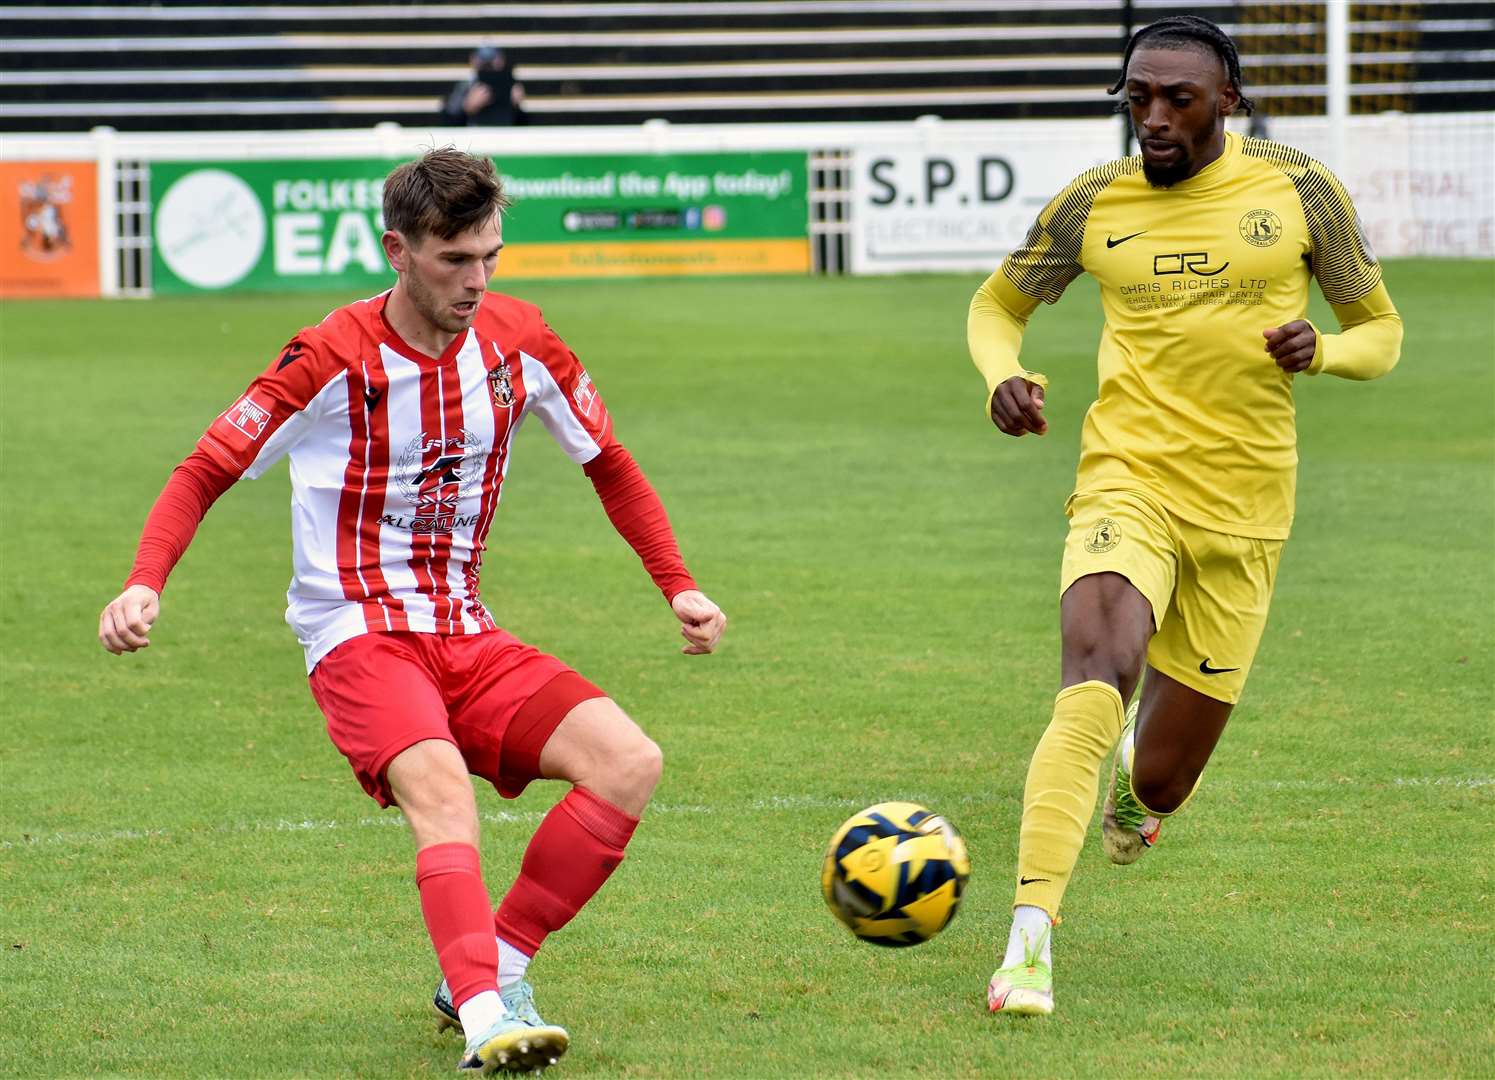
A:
x: 398, y: 414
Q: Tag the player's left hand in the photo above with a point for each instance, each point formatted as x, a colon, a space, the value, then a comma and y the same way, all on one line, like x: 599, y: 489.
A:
x: 701, y: 621
x: 1291, y: 345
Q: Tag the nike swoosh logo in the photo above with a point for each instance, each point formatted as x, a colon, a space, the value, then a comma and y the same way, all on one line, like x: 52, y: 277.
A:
x: 1207, y: 670
x: 1030, y: 880
x: 1113, y: 243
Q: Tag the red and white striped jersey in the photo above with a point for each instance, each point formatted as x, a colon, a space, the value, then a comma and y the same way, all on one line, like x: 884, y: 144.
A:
x: 397, y: 460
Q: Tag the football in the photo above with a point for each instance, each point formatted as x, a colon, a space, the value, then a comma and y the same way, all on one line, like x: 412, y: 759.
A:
x: 894, y: 873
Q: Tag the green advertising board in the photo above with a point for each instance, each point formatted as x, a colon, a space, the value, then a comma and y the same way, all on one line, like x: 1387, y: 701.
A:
x: 281, y: 225
x: 268, y: 225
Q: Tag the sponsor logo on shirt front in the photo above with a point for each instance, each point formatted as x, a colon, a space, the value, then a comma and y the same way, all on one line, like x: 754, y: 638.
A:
x: 434, y: 473
x: 1185, y: 262
x: 249, y: 416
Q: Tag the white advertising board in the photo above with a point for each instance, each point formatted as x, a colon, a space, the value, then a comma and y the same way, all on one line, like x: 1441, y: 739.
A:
x: 1423, y: 185
x: 939, y: 203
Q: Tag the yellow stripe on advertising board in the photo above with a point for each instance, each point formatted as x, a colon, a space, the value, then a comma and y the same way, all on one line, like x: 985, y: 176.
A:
x: 622, y: 259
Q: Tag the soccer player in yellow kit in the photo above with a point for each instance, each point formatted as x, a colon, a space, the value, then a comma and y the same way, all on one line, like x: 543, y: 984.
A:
x: 1203, y: 246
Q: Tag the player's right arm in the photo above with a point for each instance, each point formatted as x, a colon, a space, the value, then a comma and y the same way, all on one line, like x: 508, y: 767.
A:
x: 246, y: 439
x: 1036, y: 272
x: 193, y: 487
x: 994, y: 334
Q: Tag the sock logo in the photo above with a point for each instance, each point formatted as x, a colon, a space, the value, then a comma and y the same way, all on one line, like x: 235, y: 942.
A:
x: 1031, y: 880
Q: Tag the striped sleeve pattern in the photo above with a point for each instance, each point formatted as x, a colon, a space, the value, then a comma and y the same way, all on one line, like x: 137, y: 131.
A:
x: 1343, y: 263
x: 1049, y: 258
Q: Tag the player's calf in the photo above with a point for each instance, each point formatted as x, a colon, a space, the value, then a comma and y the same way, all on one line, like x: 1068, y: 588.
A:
x: 1132, y: 818
x: 1127, y: 829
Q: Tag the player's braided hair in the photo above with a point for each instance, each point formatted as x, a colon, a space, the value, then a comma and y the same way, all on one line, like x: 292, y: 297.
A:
x: 443, y: 192
x: 1181, y: 31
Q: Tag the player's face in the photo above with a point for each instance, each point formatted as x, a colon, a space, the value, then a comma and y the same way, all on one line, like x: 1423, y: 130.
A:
x: 1179, y: 99
x: 445, y: 279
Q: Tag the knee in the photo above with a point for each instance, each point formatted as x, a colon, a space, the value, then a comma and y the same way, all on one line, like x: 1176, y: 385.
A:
x: 443, y: 813
x: 436, y: 798
x: 625, y: 775
x: 640, y: 766
x: 1110, y: 660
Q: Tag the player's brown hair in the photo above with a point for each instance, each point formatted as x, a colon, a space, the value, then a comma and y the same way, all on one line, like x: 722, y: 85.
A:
x: 442, y: 193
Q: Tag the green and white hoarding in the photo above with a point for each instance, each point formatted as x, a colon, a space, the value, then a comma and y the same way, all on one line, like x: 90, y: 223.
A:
x: 283, y: 225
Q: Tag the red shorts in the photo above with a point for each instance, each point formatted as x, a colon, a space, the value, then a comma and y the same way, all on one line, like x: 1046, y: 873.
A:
x: 492, y: 696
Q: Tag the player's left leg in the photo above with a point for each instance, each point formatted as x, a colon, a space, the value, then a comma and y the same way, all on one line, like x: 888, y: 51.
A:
x: 1168, y: 739
x: 565, y: 729
x: 1198, y: 663
x: 613, y: 768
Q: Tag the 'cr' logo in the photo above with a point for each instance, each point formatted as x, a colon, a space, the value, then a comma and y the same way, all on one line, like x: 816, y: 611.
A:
x: 1187, y: 262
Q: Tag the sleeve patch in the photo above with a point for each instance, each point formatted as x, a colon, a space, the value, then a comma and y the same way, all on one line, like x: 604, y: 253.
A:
x: 585, y: 396
x: 249, y: 416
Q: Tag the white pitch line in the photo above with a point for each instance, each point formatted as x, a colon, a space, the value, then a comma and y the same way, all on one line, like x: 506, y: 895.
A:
x: 764, y: 804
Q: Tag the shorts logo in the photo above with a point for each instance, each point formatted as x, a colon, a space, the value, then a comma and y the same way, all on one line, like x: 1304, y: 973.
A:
x: 1104, y: 535
x: 1261, y: 228
x: 249, y: 416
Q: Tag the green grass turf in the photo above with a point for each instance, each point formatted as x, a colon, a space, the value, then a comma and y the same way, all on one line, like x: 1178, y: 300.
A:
x: 192, y: 884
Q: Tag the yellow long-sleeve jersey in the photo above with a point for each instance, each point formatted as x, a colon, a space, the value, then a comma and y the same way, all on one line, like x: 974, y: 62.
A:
x: 1191, y: 408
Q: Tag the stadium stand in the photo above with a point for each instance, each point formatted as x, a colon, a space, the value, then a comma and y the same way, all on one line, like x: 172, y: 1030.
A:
x: 162, y: 67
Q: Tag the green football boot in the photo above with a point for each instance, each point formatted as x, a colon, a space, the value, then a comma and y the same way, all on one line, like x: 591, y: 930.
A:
x: 1026, y: 988
x: 1127, y: 829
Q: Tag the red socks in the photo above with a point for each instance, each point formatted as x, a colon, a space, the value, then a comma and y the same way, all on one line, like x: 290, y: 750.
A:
x: 456, y: 909
x: 575, y: 849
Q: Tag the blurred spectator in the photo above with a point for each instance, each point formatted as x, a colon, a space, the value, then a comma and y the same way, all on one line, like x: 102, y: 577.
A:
x: 491, y: 96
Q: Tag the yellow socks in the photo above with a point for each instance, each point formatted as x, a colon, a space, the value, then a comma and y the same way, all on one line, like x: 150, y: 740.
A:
x: 1060, y: 794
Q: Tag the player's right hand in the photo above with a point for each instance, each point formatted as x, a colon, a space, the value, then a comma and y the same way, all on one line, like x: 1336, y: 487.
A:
x: 1017, y: 407
x: 125, y: 622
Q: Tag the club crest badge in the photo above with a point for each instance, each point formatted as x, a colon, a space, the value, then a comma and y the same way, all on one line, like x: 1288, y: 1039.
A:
x: 1104, y: 535
x: 501, y: 385
x: 44, y: 228
x: 1261, y: 228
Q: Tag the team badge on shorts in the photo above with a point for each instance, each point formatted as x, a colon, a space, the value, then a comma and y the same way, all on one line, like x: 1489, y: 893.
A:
x: 1261, y: 228
x: 1104, y: 535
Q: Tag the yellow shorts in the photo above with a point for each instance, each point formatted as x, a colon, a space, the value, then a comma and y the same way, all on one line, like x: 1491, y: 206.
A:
x: 1209, y: 591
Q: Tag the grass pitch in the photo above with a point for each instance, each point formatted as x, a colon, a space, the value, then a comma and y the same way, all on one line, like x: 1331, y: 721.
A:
x: 192, y: 883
